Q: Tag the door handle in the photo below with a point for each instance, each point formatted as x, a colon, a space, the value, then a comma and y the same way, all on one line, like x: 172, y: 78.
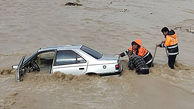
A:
x: 81, y: 68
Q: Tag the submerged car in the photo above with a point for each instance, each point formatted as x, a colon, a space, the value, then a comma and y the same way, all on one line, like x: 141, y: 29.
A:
x: 69, y: 59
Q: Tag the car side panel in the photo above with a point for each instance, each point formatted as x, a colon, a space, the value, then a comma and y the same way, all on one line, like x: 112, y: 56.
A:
x: 101, y: 68
x: 75, y: 69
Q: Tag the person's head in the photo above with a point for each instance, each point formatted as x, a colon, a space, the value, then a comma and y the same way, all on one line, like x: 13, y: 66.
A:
x: 165, y: 31
x: 135, y: 46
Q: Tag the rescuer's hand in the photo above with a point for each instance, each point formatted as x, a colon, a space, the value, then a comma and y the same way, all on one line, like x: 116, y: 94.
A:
x: 158, y: 45
x: 118, y: 55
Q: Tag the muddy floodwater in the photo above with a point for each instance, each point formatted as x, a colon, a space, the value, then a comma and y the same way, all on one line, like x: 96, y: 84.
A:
x: 172, y: 89
x: 107, y: 26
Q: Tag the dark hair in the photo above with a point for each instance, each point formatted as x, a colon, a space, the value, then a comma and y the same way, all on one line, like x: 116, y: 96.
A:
x: 133, y: 43
x: 164, y: 29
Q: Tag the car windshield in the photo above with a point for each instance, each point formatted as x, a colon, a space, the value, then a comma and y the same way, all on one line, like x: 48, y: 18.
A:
x: 91, y: 52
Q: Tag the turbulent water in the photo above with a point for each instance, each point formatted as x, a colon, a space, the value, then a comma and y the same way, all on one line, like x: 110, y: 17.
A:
x: 61, y: 91
x: 108, y: 26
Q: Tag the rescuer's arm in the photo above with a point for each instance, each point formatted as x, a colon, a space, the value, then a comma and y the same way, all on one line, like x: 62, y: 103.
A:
x: 124, y: 53
x: 162, y: 44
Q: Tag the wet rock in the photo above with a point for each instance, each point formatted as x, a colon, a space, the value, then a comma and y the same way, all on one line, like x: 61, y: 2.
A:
x: 73, y: 4
x: 124, y: 10
x: 177, y: 28
x: 187, y: 29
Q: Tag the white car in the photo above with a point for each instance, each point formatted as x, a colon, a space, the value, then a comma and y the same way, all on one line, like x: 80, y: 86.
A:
x: 69, y: 59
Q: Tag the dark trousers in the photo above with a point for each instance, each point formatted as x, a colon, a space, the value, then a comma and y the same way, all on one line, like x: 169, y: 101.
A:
x: 171, y: 61
x: 143, y: 71
x: 150, y: 65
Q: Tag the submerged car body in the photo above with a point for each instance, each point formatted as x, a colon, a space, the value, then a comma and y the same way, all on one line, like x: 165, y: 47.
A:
x: 69, y: 59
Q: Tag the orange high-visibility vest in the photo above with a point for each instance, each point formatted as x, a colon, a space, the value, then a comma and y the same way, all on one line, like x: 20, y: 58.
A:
x: 171, y: 43
x: 142, y: 52
x: 171, y: 40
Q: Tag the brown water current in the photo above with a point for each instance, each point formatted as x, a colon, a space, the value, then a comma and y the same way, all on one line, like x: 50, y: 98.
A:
x: 43, y: 90
x: 108, y: 26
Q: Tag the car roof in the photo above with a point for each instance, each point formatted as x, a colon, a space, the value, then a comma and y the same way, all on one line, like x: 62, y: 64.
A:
x: 63, y: 47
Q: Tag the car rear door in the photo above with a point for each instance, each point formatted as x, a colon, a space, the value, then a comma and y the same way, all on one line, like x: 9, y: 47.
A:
x: 69, y: 62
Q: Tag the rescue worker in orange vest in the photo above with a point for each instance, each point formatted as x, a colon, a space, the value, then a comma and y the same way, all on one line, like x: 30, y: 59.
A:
x: 171, y: 45
x: 139, y: 50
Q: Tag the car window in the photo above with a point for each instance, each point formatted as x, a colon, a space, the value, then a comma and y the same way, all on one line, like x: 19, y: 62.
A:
x: 45, y: 58
x: 80, y: 59
x: 91, y: 52
x: 46, y: 55
x: 68, y: 57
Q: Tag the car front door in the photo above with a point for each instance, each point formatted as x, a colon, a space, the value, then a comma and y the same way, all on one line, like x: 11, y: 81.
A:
x: 20, y: 72
x: 69, y: 62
